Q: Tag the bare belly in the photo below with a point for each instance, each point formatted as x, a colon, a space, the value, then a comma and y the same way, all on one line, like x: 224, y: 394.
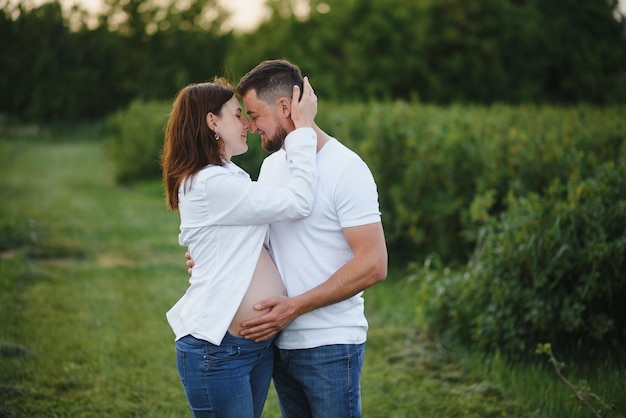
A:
x: 266, y: 282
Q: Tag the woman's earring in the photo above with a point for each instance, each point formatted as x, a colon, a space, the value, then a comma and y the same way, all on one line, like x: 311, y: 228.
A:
x: 217, y: 136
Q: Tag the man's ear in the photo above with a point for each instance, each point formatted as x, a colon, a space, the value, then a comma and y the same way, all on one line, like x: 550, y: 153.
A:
x: 284, y: 106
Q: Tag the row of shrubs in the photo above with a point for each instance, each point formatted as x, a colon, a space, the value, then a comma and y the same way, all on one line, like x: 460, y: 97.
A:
x: 432, y: 164
x: 551, y: 267
x: 527, y: 203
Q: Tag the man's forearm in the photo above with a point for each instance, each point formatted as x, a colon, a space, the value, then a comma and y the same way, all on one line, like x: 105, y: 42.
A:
x: 366, y: 268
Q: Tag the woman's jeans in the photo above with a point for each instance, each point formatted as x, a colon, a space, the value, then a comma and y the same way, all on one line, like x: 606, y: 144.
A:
x: 230, y: 380
x: 320, y: 382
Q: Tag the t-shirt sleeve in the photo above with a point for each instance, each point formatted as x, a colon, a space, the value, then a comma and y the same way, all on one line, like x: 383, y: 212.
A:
x: 356, y: 195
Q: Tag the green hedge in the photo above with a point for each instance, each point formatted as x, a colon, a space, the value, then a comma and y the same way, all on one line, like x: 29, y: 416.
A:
x: 135, y: 140
x: 432, y: 164
x: 549, y: 268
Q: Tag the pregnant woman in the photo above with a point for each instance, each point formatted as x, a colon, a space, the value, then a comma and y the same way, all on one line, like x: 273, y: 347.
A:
x: 224, y: 219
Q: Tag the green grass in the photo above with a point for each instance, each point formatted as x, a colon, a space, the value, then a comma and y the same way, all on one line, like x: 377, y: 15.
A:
x: 88, y: 270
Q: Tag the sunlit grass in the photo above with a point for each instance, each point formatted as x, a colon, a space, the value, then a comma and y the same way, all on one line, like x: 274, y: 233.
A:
x: 94, y: 267
x: 100, y: 267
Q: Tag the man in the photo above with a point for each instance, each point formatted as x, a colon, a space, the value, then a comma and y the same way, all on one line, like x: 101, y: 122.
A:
x: 326, y: 260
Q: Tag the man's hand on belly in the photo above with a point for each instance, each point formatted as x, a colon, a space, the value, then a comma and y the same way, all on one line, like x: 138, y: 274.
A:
x: 282, y: 312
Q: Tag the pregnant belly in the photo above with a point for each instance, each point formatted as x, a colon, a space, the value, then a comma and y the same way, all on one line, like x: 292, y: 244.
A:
x: 266, y: 282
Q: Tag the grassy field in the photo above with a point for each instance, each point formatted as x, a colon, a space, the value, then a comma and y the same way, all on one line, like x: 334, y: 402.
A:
x: 88, y: 270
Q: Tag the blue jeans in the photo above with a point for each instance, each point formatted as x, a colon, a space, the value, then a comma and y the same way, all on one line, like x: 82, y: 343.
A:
x: 230, y: 380
x: 321, y: 382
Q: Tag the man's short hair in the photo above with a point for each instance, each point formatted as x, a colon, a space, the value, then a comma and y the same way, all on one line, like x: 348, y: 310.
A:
x: 271, y: 80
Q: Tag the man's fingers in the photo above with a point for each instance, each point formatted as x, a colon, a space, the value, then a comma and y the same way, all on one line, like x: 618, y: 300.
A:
x: 308, y: 89
x: 257, y: 321
x: 295, y: 96
x: 261, y: 335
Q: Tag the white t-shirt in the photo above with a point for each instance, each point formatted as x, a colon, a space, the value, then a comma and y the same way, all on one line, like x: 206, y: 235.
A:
x: 308, y: 251
x: 224, y: 219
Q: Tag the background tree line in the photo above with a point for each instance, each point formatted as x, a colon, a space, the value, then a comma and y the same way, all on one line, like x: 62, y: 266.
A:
x: 58, y: 67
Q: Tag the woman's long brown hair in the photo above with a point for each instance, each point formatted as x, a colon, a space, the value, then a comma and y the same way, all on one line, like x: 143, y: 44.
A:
x: 190, y: 144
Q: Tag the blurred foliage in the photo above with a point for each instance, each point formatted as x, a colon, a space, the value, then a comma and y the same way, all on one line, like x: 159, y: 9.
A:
x: 442, y: 172
x: 135, y: 140
x: 53, y: 72
x: 435, y: 165
x: 444, y: 51
x: 60, y: 66
x: 550, y: 267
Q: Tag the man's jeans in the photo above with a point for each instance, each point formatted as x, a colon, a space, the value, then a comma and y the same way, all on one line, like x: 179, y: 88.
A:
x: 321, y: 382
x: 230, y: 380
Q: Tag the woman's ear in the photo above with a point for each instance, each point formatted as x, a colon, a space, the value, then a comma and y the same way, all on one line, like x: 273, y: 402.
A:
x: 211, y: 121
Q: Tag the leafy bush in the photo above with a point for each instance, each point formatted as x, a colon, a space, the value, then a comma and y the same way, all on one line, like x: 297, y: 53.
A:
x: 136, y: 140
x: 549, y: 268
x: 430, y: 162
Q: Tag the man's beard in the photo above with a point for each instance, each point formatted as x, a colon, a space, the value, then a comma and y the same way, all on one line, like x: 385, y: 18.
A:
x: 277, y: 140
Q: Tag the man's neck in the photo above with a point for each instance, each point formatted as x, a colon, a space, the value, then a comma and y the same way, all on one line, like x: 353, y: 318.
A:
x: 322, y: 137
